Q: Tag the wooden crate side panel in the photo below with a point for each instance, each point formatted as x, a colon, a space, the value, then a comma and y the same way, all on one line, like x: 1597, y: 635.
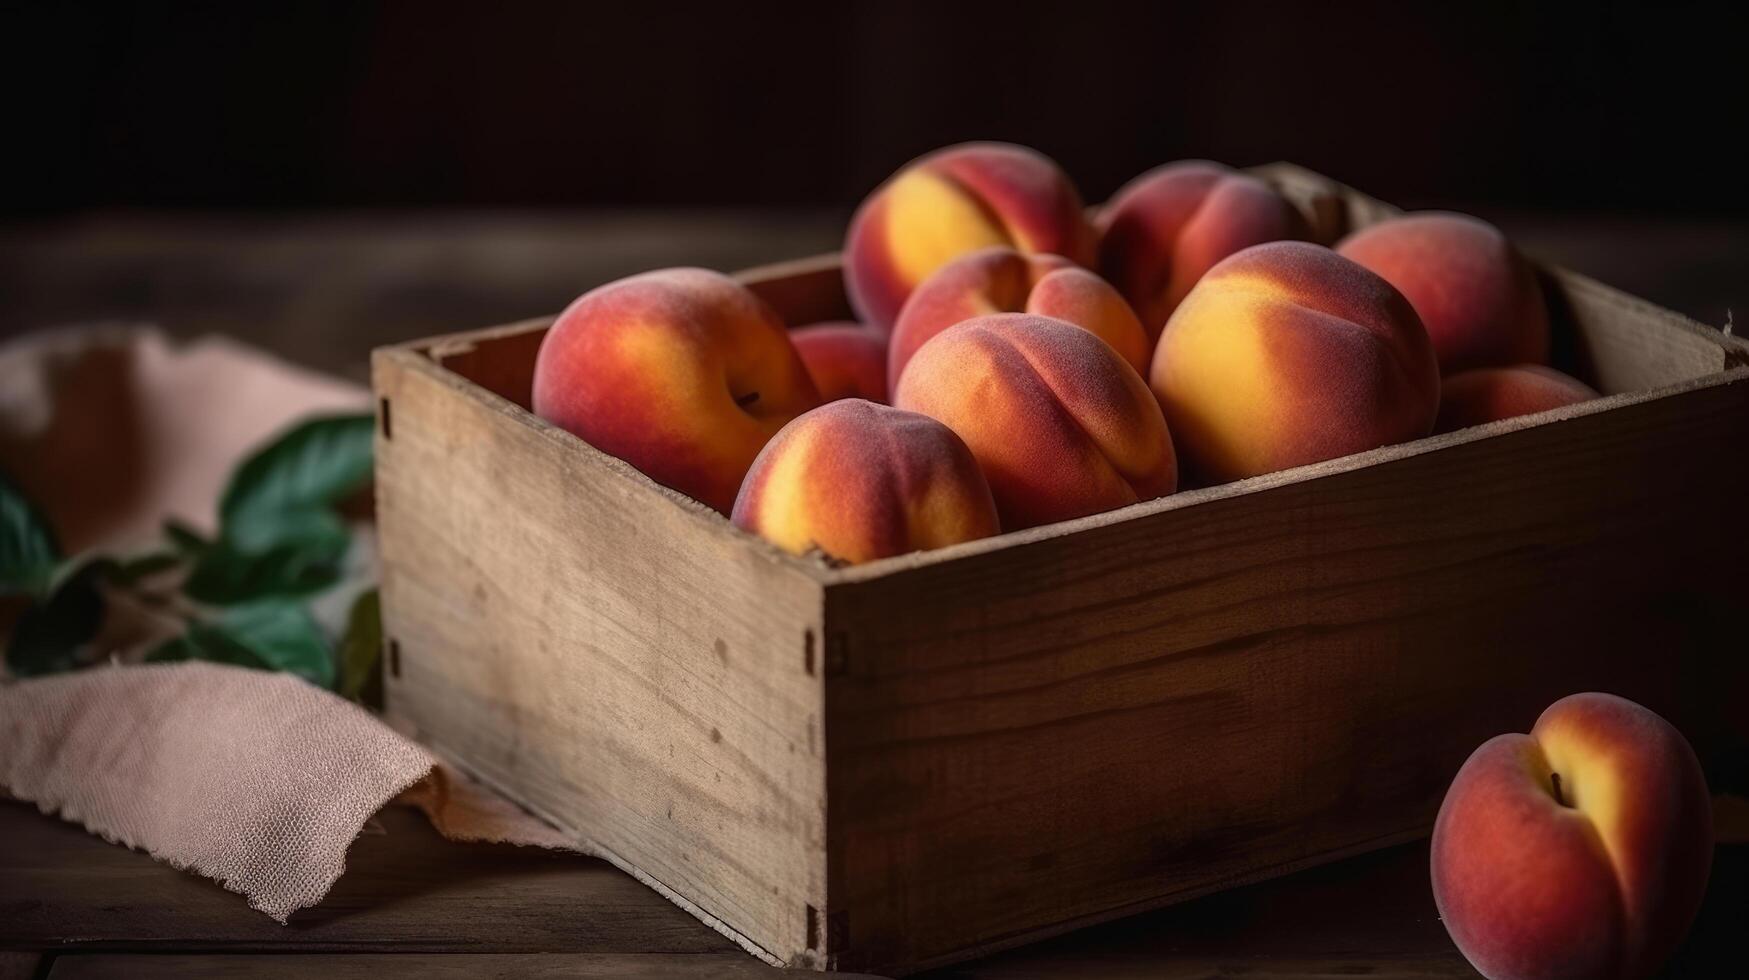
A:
x: 1081, y: 726
x: 1622, y: 343
x: 498, y: 359
x: 616, y: 660
x: 804, y: 291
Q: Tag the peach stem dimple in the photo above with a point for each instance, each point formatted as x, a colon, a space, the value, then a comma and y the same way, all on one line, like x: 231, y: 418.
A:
x: 747, y: 400
x: 1555, y: 779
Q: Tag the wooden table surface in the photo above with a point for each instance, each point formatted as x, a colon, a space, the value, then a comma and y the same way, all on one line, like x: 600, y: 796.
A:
x: 414, y: 905
x: 323, y: 290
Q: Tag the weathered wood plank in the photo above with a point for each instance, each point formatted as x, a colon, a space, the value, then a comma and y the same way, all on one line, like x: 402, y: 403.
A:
x: 1372, y: 915
x: 405, y: 888
x: 425, y: 966
x: 613, y: 653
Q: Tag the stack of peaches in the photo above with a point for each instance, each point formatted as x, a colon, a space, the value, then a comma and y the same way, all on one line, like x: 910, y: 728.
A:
x: 1015, y: 363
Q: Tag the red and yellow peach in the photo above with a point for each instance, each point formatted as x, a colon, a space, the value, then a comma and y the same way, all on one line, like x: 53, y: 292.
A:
x: 1162, y: 231
x: 860, y: 481
x: 1580, y: 850
x: 950, y: 202
x: 1287, y: 354
x: 1060, y: 425
x: 845, y: 359
x: 1001, y: 280
x: 1475, y: 294
x: 683, y: 373
x: 1483, y: 395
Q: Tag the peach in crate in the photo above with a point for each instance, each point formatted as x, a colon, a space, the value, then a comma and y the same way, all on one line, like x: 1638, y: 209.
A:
x: 1061, y: 426
x: 1477, y: 296
x: 857, y: 481
x: 1001, y: 280
x: 683, y: 373
x: 1161, y: 232
x: 953, y: 201
x: 1287, y: 354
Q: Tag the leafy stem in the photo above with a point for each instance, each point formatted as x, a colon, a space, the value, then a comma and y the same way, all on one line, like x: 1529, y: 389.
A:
x: 243, y: 595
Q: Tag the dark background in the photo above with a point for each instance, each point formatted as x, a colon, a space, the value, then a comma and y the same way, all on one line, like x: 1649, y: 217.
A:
x: 156, y: 148
x: 580, y: 104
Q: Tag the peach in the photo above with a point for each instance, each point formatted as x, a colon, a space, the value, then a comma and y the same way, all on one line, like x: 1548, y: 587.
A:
x: 1579, y: 850
x: 845, y: 359
x: 1061, y: 426
x: 1477, y: 297
x: 1001, y: 280
x: 950, y: 202
x: 861, y: 481
x: 1484, y: 395
x: 1287, y: 354
x: 1162, y: 231
x: 683, y: 373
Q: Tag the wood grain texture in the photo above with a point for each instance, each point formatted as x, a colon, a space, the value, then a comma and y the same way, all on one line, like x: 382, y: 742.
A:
x: 610, y: 652
x: 1369, y: 916
x: 1372, y: 915
x: 1029, y: 733
x: 1090, y: 724
x: 803, y: 291
x: 405, y: 889
x: 498, y: 359
x: 1086, y: 719
x: 424, y: 966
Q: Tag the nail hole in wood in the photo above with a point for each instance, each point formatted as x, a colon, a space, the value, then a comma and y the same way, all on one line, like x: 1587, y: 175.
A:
x: 383, y: 417
x: 813, y: 928
x: 394, y: 658
x: 808, y: 651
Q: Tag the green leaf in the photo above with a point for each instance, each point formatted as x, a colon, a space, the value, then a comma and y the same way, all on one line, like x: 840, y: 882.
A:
x: 280, y: 535
x: 133, y: 569
x: 272, y: 496
x: 52, y: 634
x: 224, y: 574
x: 185, y: 539
x: 28, y: 552
x: 269, y: 634
x: 360, y: 650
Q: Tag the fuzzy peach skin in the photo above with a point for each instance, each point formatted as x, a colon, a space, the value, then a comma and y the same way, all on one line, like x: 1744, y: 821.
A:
x: 1001, y: 280
x: 1484, y: 395
x: 1287, y: 354
x: 1477, y: 297
x: 953, y: 201
x: 682, y: 373
x: 1578, y: 851
x: 861, y: 481
x: 845, y: 359
x: 1061, y: 426
x: 1162, y: 231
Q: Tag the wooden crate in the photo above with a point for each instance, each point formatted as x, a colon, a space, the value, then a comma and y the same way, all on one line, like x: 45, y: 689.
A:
x: 920, y: 759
